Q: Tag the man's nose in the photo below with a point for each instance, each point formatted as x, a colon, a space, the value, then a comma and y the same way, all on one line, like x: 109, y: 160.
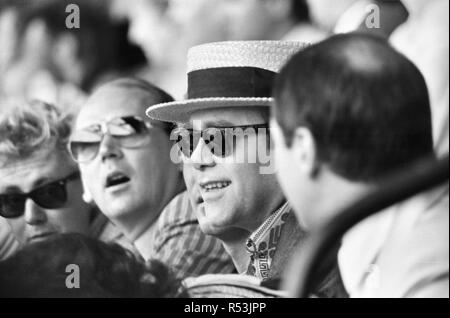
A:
x: 202, y: 156
x: 109, y: 148
x: 34, y: 214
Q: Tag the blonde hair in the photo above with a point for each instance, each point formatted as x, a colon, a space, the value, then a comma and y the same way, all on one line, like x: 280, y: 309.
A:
x: 28, y: 127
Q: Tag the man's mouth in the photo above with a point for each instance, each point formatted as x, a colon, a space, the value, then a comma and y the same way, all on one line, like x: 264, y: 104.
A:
x: 214, y: 185
x: 40, y: 237
x: 116, y: 178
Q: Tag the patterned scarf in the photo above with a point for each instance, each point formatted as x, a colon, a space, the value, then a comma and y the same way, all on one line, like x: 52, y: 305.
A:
x: 262, y: 244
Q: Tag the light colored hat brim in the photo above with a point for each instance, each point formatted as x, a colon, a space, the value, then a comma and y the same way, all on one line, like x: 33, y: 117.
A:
x: 180, y: 111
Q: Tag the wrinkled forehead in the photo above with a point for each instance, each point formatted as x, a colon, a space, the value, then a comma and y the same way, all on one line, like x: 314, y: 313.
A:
x: 42, y: 166
x: 112, y: 102
x: 229, y: 116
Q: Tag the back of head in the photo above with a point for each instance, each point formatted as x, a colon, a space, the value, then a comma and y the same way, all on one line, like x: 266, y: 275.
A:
x: 365, y: 104
x: 44, y: 269
x: 31, y: 127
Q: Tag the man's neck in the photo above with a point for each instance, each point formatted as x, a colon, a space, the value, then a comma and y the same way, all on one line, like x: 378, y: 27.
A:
x: 134, y: 227
x: 234, y: 244
x: 235, y: 241
x: 334, y: 194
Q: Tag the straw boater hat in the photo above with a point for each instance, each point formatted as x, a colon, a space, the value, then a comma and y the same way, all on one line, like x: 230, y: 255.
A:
x: 228, y: 74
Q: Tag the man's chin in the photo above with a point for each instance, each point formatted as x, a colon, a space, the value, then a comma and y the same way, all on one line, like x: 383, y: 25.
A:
x: 114, y: 212
x: 224, y: 233
x: 208, y: 224
x: 211, y: 226
x: 210, y: 229
x: 126, y: 209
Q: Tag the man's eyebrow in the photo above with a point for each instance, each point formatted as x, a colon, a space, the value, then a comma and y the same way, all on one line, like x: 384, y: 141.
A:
x: 10, y: 189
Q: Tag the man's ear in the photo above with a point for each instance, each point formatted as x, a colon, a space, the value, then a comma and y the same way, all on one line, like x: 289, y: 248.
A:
x: 304, y: 151
x: 87, y: 196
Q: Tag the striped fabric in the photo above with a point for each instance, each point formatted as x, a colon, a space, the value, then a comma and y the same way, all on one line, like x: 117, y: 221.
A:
x: 179, y: 242
x: 104, y: 230
x: 8, y: 243
x: 229, y: 286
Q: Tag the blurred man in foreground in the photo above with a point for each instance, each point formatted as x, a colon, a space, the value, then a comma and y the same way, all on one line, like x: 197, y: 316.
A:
x: 350, y: 111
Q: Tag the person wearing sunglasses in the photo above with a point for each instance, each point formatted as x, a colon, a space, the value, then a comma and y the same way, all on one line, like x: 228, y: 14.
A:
x: 125, y: 163
x: 223, y: 141
x: 40, y: 186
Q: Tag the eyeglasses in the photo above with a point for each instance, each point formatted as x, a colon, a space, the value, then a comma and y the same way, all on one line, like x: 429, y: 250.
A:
x: 50, y: 196
x: 221, y: 141
x: 129, y: 132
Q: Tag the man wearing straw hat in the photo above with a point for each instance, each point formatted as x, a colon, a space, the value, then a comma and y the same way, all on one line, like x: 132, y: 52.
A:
x: 223, y: 142
x: 126, y: 170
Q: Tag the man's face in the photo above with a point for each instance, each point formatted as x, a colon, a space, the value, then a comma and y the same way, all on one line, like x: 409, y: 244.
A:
x: 227, y: 195
x: 124, y: 182
x: 38, y: 223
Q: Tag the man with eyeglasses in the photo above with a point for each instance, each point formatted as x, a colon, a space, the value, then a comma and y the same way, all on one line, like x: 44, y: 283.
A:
x: 223, y: 142
x: 40, y: 187
x: 125, y: 163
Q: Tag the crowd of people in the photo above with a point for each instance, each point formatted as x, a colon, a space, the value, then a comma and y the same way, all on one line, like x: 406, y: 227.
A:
x: 189, y: 148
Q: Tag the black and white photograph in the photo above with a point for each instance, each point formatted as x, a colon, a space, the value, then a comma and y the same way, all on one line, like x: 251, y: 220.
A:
x: 234, y: 154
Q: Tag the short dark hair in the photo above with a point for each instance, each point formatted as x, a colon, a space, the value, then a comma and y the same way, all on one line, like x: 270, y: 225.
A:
x: 106, y: 270
x: 366, y: 105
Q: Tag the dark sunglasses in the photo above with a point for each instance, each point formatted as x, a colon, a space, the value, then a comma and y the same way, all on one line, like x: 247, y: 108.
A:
x: 221, y: 141
x: 129, y: 132
x: 49, y: 196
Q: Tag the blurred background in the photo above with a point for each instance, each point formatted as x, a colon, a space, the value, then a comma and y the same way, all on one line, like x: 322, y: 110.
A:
x: 40, y: 57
